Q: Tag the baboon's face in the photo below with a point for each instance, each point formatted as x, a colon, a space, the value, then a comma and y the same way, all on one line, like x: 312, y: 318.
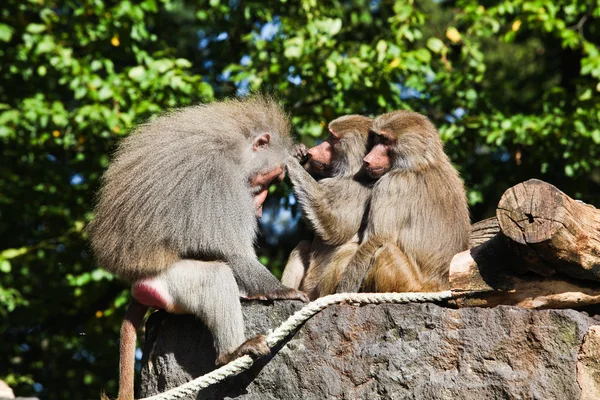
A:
x: 379, y: 161
x: 260, y: 181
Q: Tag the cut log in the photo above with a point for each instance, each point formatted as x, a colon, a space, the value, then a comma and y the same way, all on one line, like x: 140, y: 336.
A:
x: 481, y: 276
x: 551, y: 231
x: 483, y: 267
x: 539, y: 231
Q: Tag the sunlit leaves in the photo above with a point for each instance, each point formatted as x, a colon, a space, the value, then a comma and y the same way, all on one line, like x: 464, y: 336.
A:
x: 328, y: 26
x: 453, y: 34
x: 435, y: 45
x: 137, y: 73
x: 294, y: 47
x: 514, y: 88
x: 6, y: 32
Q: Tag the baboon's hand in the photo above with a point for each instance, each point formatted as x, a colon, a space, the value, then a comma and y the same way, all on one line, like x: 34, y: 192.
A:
x: 282, y: 294
x: 300, y: 153
x: 255, y: 347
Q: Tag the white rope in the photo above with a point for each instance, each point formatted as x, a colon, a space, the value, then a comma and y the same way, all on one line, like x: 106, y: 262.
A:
x: 291, y: 324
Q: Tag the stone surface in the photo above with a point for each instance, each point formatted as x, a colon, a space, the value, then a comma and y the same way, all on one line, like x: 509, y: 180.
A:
x: 412, y: 351
x: 588, y: 367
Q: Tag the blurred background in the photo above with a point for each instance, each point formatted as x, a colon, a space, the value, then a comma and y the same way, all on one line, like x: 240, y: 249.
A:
x: 513, y: 86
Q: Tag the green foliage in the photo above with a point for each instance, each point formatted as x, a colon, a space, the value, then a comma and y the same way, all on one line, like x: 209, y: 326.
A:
x: 513, y: 87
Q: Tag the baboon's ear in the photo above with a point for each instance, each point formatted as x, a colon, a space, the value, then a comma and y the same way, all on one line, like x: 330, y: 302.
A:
x: 261, y: 141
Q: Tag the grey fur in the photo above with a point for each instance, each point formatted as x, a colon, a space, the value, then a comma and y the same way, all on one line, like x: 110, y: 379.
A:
x: 193, y: 286
x: 178, y: 188
x: 176, y: 211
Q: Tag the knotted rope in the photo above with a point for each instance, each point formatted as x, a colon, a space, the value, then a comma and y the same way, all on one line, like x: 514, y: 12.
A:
x: 290, y: 325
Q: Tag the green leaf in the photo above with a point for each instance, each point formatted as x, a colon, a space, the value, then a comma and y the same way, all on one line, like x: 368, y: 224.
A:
x: 6, y: 32
x: 329, y: 25
x: 46, y: 45
x: 472, y: 95
x: 423, y: 55
x: 96, y: 65
x: 137, y: 73
x: 331, y: 68
x: 313, y: 128
x: 475, y: 197
x: 435, y: 45
x: 105, y: 92
x: 163, y: 65
x: 293, y: 47
x: 206, y: 89
x: 586, y: 95
x: 5, y: 266
x: 569, y: 170
x: 12, y: 253
x: 100, y: 274
x: 36, y: 28
x: 183, y: 63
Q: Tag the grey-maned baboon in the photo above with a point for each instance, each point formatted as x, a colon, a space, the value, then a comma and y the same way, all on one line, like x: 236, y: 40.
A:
x: 176, y: 217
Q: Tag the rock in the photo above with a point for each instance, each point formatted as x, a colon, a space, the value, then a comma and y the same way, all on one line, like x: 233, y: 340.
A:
x: 588, y: 367
x: 410, y: 351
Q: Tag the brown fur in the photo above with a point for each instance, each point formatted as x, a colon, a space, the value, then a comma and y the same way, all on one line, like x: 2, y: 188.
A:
x: 335, y: 207
x: 297, y: 266
x: 391, y: 271
x: 418, y: 213
x: 327, y: 275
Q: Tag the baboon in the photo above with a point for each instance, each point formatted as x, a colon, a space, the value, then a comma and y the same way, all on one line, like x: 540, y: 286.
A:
x: 334, y: 205
x: 418, y: 216
x: 176, y: 217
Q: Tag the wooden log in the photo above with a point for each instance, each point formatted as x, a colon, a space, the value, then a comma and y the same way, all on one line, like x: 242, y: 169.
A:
x: 481, y: 277
x: 550, y: 231
x: 530, y: 254
x: 481, y: 269
x: 483, y: 231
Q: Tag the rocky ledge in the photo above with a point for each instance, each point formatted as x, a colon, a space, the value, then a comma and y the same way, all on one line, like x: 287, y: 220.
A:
x: 410, y: 351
